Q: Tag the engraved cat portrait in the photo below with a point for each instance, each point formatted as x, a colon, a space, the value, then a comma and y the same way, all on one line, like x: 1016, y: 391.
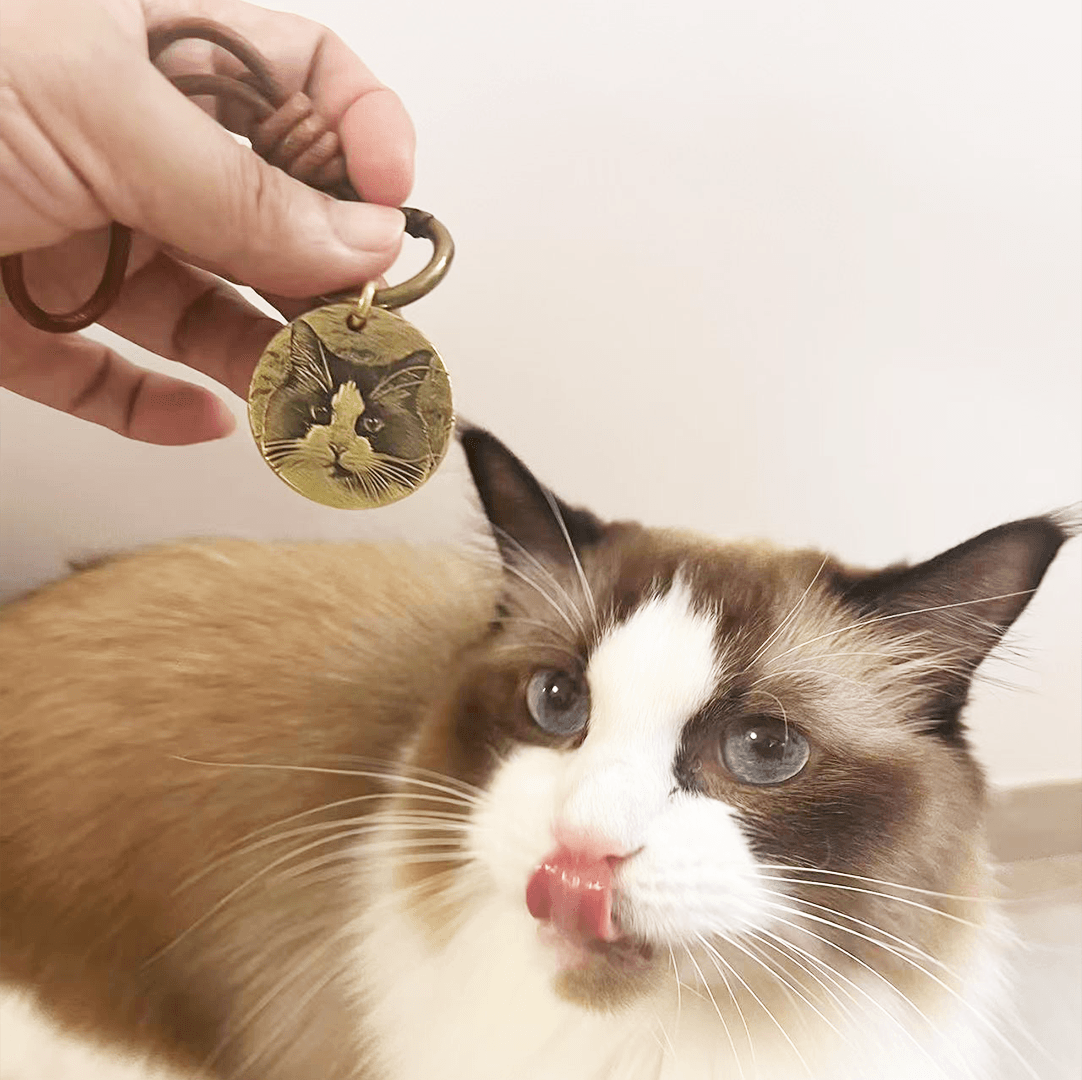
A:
x: 348, y: 426
x: 595, y: 801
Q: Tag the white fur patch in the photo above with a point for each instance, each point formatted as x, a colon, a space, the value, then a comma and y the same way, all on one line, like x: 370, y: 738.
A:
x: 32, y: 1047
x: 482, y: 1008
x: 648, y: 676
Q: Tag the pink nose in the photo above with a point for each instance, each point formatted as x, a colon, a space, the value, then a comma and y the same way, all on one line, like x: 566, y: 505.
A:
x: 572, y: 889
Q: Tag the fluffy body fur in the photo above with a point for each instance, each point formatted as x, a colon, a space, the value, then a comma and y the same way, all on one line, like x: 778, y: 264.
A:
x: 271, y: 811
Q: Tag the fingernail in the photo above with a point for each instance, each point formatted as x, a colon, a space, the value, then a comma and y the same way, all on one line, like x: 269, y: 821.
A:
x: 368, y: 226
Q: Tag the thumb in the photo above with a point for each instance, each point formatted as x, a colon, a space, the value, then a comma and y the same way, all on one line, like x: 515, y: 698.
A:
x: 169, y: 169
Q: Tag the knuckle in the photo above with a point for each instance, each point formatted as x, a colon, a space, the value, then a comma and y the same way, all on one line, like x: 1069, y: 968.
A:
x: 88, y: 397
x: 258, y: 206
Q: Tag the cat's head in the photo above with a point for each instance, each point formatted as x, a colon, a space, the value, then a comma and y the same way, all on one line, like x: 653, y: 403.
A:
x: 349, y: 423
x: 722, y: 759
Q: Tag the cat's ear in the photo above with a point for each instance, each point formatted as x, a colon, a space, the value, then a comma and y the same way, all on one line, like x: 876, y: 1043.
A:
x: 306, y: 349
x: 524, y: 515
x: 402, y: 386
x: 959, y: 604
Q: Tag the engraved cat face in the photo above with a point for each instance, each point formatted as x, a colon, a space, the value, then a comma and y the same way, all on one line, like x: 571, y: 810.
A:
x: 349, y: 424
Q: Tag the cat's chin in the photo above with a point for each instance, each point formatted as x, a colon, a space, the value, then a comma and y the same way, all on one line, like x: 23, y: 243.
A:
x: 601, y: 975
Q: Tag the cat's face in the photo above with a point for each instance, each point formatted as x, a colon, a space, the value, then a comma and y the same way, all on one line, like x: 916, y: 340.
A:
x: 721, y: 762
x: 349, y: 426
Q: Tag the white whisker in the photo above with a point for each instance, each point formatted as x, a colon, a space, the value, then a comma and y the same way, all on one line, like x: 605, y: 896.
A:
x: 715, y: 956
x: 979, y: 1016
x: 359, y: 773
x: 842, y: 980
x: 679, y: 995
x: 543, y: 569
x: 587, y: 591
x: 784, y: 979
x: 861, y: 624
x: 534, y: 585
x: 774, y: 1020
x: 874, y: 881
x: 872, y: 892
x: 724, y: 1025
x: 894, y: 991
x: 788, y: 618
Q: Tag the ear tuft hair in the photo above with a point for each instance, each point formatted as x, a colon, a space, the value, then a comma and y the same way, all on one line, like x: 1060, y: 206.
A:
x: 960, y: 603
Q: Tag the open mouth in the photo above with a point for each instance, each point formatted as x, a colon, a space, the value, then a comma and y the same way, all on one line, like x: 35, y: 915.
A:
x: 573, y: 896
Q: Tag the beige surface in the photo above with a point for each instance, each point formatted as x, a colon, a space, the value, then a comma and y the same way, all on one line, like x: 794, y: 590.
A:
x: 1045, y: 907
x: 1036, y: 834
x: 1029, y: 824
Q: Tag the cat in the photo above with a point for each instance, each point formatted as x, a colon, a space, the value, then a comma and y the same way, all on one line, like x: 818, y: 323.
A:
x: 611, y: 803
x: 349, y: 424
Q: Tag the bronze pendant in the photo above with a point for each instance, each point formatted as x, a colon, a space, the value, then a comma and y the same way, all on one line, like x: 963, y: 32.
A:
x: 351, y: 407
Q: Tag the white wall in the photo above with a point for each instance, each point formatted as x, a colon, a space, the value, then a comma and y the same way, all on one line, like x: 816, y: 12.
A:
x: 808, y: 271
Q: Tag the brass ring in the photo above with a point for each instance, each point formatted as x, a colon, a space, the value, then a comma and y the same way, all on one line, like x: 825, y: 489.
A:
x: 423, y: 226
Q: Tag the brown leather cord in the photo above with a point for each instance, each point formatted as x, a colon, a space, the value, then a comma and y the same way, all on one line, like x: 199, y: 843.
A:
x: 288, y: 132
x: 112, y: 280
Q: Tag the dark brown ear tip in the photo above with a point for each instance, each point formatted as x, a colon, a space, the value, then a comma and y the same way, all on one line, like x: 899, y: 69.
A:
x: 479, y: 444
x: 483, y: 448
x: 497, y: 472
x: 470, y: 434
x: 1036, y: 541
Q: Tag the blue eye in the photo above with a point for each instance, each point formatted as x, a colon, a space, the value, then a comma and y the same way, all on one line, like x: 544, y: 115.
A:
x: 763, y: 750
x: 558, y: 702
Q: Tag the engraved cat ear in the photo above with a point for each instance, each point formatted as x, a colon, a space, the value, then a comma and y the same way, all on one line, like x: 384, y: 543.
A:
x: 523, y: 514
x: 404, y: 382
x: 306, y: 351
x: 958, y: 605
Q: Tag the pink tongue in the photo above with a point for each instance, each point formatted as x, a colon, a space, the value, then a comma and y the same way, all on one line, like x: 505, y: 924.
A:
x: 573, y: 890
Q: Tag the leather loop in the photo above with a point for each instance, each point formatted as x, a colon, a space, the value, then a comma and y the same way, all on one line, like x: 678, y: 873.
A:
x: 112, y: 280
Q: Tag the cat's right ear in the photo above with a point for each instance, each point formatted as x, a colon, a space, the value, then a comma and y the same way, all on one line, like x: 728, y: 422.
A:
x: 306, y: 349
x: 524, y: 515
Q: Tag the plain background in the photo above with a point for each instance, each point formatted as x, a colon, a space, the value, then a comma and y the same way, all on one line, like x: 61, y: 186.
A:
x: 802, y: 271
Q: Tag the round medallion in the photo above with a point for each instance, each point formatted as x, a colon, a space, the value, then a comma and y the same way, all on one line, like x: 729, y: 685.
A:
x: 351, y: 418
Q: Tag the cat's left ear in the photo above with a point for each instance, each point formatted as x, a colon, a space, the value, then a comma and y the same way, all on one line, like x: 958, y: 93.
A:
x: 961, y: 603
x: 403, y: 385
x: 525, y: 516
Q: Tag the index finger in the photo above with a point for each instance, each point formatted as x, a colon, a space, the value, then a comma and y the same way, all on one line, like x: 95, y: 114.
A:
x: 374, y: 128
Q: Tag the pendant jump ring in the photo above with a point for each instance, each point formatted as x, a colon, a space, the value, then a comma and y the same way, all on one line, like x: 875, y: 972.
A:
x: 355, y: 320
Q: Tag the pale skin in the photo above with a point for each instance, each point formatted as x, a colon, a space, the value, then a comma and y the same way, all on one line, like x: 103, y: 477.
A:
x: 90, y: 132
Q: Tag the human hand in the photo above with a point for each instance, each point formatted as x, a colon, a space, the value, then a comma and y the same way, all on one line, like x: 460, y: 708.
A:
x: 91, y: 132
